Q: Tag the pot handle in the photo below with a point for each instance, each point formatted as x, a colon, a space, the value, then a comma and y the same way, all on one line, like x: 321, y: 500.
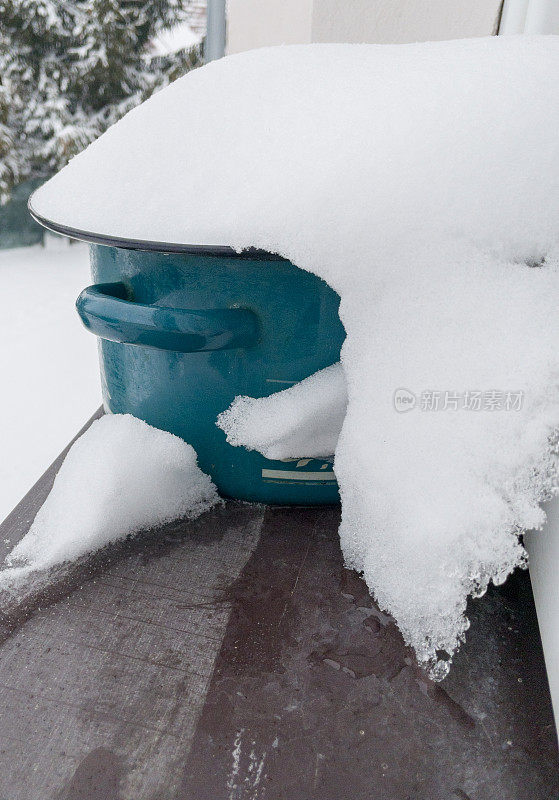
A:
x: 107, y: 311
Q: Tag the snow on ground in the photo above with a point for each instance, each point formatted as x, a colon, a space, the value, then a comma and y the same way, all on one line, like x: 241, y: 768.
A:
x: 48, y: 361
x: 121, y: 476
x: 421, y: 181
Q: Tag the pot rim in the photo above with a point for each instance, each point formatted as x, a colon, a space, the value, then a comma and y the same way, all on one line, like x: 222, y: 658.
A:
x: 151, y: 246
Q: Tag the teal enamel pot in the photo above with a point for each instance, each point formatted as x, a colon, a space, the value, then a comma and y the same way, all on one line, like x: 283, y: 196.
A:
x: 183, y: 333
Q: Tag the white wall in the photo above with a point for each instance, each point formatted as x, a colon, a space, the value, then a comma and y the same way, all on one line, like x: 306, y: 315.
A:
x: 256, y: 23
x: 387, y: 21
x: 530, y: 16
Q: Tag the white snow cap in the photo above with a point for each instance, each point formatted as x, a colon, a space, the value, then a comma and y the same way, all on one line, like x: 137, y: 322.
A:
x: 271, y: 147
x: 120, y: 477
x: 422, y: 182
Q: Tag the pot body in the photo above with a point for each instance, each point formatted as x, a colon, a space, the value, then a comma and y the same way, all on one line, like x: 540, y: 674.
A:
x: 272, y: 325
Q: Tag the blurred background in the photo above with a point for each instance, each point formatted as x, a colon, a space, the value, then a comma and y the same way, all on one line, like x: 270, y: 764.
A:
x: 69, y: 70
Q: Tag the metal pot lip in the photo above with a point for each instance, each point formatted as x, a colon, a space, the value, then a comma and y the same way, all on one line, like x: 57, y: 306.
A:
x: 150, y: 246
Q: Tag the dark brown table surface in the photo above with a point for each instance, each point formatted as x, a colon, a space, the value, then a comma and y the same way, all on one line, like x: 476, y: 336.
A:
x: 233, y: 658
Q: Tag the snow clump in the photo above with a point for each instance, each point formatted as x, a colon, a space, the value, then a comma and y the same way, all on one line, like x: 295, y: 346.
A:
x: 302, y: 421
x: 120, y: 477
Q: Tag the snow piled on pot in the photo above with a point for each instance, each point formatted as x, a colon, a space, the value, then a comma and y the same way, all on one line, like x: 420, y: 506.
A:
x: 303, y: 421
x: 422, y: 182
x: 120, y: 477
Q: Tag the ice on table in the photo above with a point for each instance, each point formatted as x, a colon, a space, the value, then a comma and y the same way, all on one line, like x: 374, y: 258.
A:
x: 302, y: 421
x: 120, y: 477
x: 421, y: 182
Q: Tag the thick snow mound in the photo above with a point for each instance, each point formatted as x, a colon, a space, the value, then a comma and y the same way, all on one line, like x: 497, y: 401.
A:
x: 422, y: 182
x: 120, y: 477
x: 269, y: 147
x: 302, y: 421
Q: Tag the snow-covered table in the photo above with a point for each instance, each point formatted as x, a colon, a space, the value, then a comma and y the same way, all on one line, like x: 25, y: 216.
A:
x: 233, y: 658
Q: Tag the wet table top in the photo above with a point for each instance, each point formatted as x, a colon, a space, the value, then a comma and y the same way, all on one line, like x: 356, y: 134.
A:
x: 234, y: 658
